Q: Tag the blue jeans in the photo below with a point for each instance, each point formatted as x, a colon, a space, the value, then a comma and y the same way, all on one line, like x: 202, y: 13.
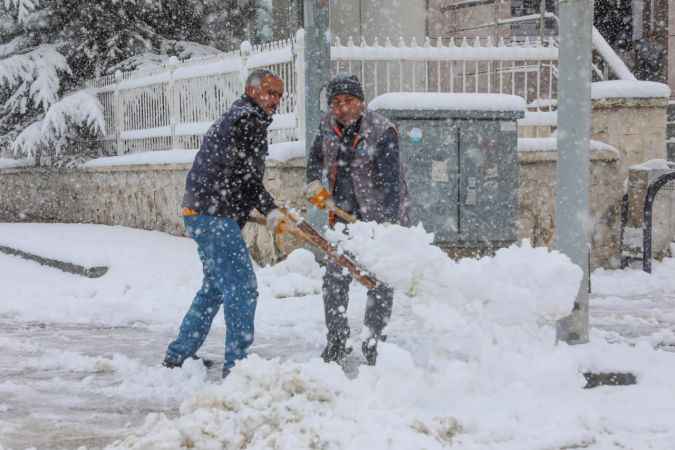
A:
x: 229, y: 280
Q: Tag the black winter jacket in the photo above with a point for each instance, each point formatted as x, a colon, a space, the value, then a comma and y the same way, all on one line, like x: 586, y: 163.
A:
x: 226, y: 178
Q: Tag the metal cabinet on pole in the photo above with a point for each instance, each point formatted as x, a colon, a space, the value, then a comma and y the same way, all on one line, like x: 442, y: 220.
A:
x: 461, y: 165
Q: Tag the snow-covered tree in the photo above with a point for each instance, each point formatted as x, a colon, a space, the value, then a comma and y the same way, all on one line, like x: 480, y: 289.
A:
x: 32, y: 78
x: 31, y: 69
x: 49, y: 47
x: 78, y: 114
x: 229, y: 22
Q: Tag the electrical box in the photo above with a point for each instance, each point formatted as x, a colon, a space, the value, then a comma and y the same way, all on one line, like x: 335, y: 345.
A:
x: 460, y: 152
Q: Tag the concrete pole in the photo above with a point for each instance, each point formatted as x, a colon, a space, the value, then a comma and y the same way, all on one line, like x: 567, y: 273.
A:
x: 317, y: 63
x: 572, y: 221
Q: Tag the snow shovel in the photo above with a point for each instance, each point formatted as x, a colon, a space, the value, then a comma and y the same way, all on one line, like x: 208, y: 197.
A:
x: 341, y: 213
x: 299, y: 228
x: 89, y: 272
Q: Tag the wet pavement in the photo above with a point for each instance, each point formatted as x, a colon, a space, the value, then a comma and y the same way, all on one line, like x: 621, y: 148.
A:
x: 51, y: 407
x: 61, y: 388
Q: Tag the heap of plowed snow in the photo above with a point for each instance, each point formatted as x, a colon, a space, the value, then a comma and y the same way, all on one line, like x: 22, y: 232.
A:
x: 471, y: 363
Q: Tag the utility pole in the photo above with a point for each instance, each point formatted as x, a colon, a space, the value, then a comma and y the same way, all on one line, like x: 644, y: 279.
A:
x: 317, y: 63
x: 572, y: 221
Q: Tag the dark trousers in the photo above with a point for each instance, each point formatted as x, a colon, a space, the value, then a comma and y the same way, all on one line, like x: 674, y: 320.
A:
x: 336, y: 301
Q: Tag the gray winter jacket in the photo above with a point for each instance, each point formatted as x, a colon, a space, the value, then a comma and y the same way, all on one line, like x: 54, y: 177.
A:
x: 377, y: 175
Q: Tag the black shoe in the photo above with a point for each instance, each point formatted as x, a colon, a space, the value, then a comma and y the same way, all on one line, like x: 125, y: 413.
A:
x: 369, y: 348
x: 170, y: 364
x: 336, y: 351
x: 208, y: 363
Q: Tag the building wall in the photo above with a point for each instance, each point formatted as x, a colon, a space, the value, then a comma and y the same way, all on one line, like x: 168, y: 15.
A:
x: 448, y: 19
x: 378, y: 18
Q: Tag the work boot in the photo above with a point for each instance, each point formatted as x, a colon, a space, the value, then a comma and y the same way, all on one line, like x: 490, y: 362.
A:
x: 369, y: 348
x: 336, y: 350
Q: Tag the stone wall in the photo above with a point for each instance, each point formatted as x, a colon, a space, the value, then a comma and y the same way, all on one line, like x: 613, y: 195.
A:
x: 634, y: 126
x: 138, y: 196
x: 538, y: 181
x: 148, y: 197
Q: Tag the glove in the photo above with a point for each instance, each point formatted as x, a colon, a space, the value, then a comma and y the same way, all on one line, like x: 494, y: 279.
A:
x: 276, y: 219
x: 317, y: 194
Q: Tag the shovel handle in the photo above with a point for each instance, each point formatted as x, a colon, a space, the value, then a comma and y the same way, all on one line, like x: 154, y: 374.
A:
x: 307, y: 233
x: 341, y: 213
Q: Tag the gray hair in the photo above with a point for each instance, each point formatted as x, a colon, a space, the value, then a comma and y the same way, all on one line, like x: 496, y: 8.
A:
x: 255, y: 78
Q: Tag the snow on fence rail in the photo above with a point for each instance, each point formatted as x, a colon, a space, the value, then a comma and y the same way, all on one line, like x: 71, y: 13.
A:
x: 172, y: 106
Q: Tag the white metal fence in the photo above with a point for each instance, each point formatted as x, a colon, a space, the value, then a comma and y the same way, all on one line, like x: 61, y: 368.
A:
x: 172, y: 107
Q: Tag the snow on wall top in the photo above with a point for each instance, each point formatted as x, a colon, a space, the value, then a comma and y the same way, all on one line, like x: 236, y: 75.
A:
x: 629, y: 89
x: 442, y: 101
x: 9, y: 163
x: 550, y: 144
x: 653, y: 164
x: 277, y: 152
x: 154, y: 157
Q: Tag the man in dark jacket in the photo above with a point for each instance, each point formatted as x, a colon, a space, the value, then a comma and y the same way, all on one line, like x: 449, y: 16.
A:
x: 224, y: 184
x: 355, y: 160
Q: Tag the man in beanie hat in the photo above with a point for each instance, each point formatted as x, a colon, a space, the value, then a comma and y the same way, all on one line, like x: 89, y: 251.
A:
x: 355, y: 160
x: 344, y: 85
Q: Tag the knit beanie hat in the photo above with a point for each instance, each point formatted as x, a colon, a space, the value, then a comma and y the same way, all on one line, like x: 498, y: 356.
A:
x: 344, y: 84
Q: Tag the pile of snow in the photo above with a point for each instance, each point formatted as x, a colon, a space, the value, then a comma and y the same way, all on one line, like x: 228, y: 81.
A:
x: 152, y: 276
x: 470, y: 362
x: 519, y: 290
x: 296, y: 276
x: 478, y: 369
x: 504, y: 399
x: 634, y: 283
x: 153, y: 288
x: 267, y: 405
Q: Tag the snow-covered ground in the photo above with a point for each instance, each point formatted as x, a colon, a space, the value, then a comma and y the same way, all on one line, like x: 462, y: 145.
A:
x: 470, y: 362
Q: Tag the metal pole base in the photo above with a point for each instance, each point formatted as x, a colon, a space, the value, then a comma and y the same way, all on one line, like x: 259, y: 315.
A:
x: 573, y: 329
